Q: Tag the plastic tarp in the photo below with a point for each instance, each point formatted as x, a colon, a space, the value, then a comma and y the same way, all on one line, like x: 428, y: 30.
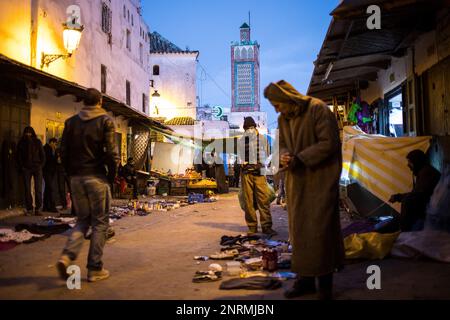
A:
x: 428, y: 243
x: 378, y: 162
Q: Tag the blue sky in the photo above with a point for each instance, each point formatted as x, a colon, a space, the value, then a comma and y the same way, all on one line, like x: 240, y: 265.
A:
x: 290, y: 33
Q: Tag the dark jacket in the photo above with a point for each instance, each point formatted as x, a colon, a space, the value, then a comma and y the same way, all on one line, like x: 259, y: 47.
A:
x: 30, y: 153
x: 88, y: 145
x: 50, y: 159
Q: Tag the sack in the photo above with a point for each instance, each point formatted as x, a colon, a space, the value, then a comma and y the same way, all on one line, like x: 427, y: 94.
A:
x: 371, y: 245
x: 438, y: 213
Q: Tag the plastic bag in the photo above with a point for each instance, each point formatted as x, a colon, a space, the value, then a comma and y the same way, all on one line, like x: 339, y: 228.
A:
x: 371, y: 245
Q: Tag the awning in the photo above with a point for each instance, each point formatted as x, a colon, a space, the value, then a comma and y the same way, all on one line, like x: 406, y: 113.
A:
x: 352, y: 55
x: 13, y: 69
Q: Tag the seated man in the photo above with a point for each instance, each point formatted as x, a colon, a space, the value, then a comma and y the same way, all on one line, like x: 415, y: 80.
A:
x: 129, y: 173
x: 414, y: 203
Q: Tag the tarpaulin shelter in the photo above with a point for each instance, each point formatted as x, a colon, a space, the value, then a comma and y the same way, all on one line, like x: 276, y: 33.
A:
x: 379, y: 163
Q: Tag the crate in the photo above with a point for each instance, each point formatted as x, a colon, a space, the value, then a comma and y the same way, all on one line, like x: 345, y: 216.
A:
x: 178, y: 183
x: 178, y: 191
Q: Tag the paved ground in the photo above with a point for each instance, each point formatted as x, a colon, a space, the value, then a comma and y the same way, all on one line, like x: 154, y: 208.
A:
x: 152, y: 258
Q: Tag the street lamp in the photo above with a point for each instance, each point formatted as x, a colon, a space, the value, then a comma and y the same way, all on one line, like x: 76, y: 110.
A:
x: 71, y: 38
x: 155, y: 98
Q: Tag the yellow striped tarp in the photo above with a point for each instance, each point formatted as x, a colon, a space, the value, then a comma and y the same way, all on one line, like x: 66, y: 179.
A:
x: 378, y: 162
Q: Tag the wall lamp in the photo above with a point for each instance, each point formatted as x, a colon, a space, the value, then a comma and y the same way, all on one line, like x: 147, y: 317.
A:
x: 71, y: 38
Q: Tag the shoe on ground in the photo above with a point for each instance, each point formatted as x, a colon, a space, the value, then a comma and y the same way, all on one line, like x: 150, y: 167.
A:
x: 270, y: 231
x: 300, y: 288
x: 94, y: 275
x: 252, y: 231
x: 62, y: 265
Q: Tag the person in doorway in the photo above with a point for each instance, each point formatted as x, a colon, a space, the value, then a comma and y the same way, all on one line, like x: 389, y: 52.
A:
x: 61, y: 179
x: 129, y: 174
x: 31, y: 160
x: 9, y: 169
x: 90, y: 158
x: 49, y: 172
x: 414, y: 203
x: 254, y: 186
x: 310, y: 153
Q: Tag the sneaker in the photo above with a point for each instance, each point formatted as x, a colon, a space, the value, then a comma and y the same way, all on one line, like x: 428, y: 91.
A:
x: 94, y: 275
x: 270, y: 231
x: 62, y: 265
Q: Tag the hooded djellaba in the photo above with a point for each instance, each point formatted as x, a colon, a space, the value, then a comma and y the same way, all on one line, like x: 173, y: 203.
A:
x: 309, y: 134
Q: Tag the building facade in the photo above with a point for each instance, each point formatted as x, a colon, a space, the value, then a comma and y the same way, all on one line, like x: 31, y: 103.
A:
x: 245, y: 78
x: 42, y: 83
x: 402, y: 71
x: 173, y: 75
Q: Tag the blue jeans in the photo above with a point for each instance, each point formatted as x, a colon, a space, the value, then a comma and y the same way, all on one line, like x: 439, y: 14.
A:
x: 91, y: 196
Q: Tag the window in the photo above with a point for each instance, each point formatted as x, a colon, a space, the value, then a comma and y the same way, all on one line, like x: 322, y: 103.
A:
x: 106, y: 18
x: 156, y: 70
x: 128, y: 14
x: 128, y: 93
x: 132, y: 20
x: 128, y: 40
x: 144, y: 103
x: 124, y: 12
x: 141, y: 53
x: 103, y: 78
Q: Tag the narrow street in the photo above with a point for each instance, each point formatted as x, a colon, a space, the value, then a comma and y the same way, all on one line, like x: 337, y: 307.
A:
x: 152, y: 258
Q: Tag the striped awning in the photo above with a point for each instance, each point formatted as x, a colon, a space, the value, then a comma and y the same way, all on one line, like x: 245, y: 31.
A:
x: 379, y: 163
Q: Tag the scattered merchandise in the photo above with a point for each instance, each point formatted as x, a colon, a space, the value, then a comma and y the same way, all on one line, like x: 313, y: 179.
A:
x: 207, y: 276
x: 215, y: 267
x: 201, y: 258
x: 284, y: 275
x: 252, y: 283
x: 233, y: 268
x: 225, y: 255
x: 22, y: 236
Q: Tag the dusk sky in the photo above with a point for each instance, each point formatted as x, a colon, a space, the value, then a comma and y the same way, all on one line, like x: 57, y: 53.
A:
x: 290, y: 33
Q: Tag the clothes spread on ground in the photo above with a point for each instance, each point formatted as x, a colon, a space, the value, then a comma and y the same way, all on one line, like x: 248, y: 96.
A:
x: 23, y: 236
x: 252, y: 283
x: 45, y: 227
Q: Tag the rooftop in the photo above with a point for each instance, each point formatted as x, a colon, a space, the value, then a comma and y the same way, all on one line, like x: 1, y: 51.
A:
x: 159, y: 44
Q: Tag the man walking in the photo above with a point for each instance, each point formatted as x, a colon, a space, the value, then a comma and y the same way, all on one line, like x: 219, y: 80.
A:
x: 31, y: 159
x: 256, y: 194
x: 90, y: 158
x: 50, y: 176
x: 310, y: 152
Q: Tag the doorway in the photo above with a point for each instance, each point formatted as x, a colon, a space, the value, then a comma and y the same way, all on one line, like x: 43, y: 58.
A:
x: 395, y: 103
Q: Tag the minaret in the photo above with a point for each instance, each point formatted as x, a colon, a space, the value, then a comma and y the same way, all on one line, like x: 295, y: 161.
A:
x: 245, y: 80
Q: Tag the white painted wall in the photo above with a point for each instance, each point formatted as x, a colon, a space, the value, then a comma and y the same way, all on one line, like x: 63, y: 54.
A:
x: 46, y: 106
x: 85, y: 64
x: 176, y: 84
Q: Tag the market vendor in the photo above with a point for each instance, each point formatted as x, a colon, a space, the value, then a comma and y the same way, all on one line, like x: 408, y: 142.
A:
x: 414, y: 203
x: 255, y: 191
x: 128, y: 172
